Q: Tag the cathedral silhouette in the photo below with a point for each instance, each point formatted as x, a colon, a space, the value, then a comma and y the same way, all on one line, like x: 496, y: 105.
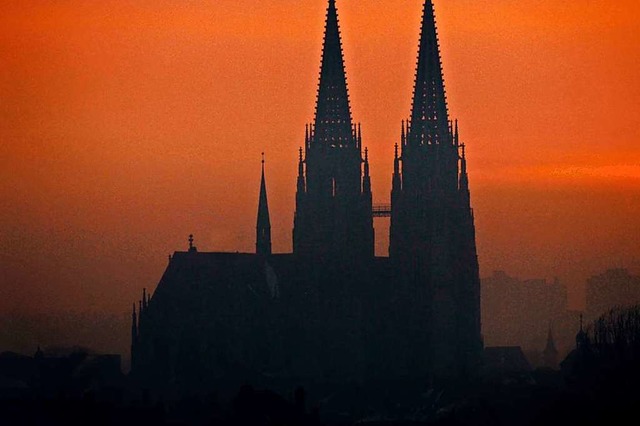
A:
x: 332, y: 311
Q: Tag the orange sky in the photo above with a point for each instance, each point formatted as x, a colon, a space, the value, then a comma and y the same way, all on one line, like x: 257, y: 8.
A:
x: 125, y: 126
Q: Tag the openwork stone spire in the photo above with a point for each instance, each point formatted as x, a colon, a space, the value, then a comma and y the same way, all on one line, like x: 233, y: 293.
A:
x: 429, y: 115
x: 333, y: 114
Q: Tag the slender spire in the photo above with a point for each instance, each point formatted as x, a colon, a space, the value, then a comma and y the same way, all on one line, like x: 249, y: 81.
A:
x: 263, y: 225
x: 429, y: 115
x: 144, y: 299
x: 333, y: 114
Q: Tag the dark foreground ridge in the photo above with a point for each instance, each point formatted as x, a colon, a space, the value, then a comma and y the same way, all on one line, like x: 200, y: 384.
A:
x: 597, y: 385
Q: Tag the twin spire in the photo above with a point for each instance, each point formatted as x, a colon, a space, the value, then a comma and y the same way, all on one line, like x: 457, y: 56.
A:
x: 333, y: 125
x: 429, y: 114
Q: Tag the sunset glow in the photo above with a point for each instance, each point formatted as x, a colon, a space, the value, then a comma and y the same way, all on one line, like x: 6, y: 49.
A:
x: 126, y: 126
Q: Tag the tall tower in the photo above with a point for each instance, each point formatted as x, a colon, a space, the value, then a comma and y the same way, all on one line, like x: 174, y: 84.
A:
x: 432, y: 235
x: 263, y: 225
x: 333, y: 218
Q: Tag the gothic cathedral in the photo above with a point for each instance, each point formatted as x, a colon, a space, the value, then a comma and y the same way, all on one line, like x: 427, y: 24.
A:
x: 332, y: 310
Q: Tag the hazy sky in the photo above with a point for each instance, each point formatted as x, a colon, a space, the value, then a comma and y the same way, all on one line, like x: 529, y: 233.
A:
x: 127, y: 125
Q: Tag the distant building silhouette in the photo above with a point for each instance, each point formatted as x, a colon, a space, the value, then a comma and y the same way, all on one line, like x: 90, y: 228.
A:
x: 332, y: 311
x: 612, y: 288
x: 517, y: 312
